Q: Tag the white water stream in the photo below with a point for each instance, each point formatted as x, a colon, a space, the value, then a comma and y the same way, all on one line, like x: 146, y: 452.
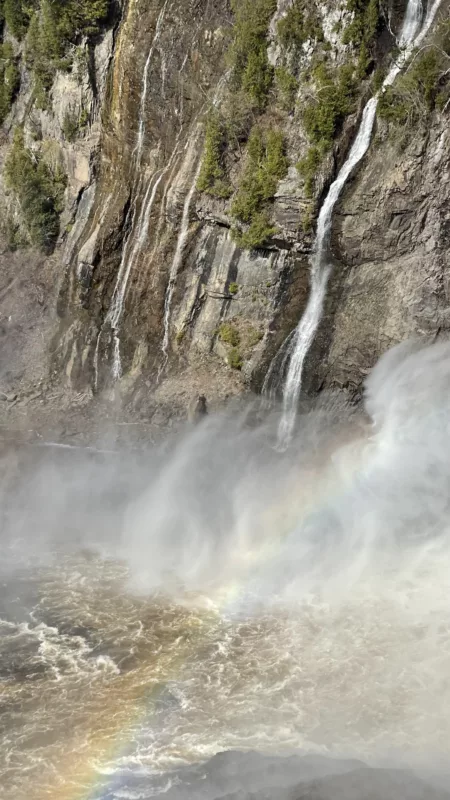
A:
x: 412, y: 33
x: 191, y: 148
x: 176, y: 263
x: 138, y: 232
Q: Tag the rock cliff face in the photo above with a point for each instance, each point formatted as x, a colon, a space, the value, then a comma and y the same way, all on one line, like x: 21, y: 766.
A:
x: 392, y: 264
x: 156, y: 296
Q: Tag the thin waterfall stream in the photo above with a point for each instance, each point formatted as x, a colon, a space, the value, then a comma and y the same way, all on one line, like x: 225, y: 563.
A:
x: 191, y: 148
x: 140, y: 228
x: 414, y: 29
x: 176, y: 264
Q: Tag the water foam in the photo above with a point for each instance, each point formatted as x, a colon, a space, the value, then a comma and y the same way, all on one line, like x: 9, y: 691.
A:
x: 248, y: 598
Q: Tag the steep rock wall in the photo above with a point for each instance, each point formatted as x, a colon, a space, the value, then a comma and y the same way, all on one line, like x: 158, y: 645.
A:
x: 156, y: 301
x: 160, y: 254
x: 32, y: 279
x: 390, y: 280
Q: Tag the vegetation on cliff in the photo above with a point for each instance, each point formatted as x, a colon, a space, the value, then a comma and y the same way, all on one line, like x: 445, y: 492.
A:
x: 266, y: 165
x: 64, y: 19
x: 212, y: 178
x: 251, y: 82
x: 329, y: 95
x: 300, y: 24
x: 54, y: 26
x: 423, y: 87
x: 15, y: 15
x: 364, y: 24
x: 287, y: 88
x: 53, y: 34
x: 334, y: 100
x: 9, y: 79
x: 38, y: 187
x: 50, y: 29
x: 247, y: 55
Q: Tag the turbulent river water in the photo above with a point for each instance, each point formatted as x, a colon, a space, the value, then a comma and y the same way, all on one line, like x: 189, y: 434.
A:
x: 159, y: 608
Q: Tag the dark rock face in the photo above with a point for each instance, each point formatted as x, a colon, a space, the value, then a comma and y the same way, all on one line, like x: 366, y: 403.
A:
x: 389, y: 235
x: 390, y: 279
x: 132, y: 210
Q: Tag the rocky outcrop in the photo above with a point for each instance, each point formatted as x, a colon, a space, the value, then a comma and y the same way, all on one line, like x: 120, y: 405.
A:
x: 31, y: 280
x: 157, y: 302
x: 390, y: 279
x: 156, y: 272
x: 235, y: 775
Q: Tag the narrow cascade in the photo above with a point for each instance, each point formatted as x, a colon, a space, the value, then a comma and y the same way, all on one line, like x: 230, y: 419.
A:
x: 140, y: 228
x: 183, y: 234
x: 176, y: 263
x: 141, y: 130
x: 412, y: 33
x: 116, y: 308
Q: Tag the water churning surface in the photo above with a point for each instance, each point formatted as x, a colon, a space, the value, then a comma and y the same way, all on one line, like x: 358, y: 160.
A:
x: 157, y: 609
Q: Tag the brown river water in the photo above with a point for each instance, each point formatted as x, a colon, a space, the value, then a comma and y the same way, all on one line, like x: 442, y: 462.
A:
x: 157, y: 609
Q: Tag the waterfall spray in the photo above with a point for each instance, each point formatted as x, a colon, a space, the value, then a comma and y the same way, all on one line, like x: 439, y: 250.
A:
x: 412, y: 33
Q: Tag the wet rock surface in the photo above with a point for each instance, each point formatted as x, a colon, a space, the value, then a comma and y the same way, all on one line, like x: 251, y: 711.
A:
x: 252, y: 776
x: 153, y: 75
x: 390, y: 244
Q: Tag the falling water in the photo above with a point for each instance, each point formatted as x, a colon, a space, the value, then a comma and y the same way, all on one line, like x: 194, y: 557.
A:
x: 320, y: 260
x: 183, y: 234
x: 116, y: 308
x: 176, y: 263
x: 141, y: 229
x: 141, y: 131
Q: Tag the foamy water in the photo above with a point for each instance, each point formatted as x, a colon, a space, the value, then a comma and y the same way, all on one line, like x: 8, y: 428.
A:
x: 110, y: 684
x: 158, y: 609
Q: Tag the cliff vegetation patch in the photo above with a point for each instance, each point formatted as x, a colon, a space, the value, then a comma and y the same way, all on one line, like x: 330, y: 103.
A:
x: 236, y: 123
x: 213, y: 178
x: 332, y: 91
x: 315, y: 81
x: 423, y: 88
x: 334, y: 98
x: 247, y: 56
x: 38, y: 187
x: 300, y: 24
x: 50, y: 29
x: 9, y: 79
x: 266, y: 165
